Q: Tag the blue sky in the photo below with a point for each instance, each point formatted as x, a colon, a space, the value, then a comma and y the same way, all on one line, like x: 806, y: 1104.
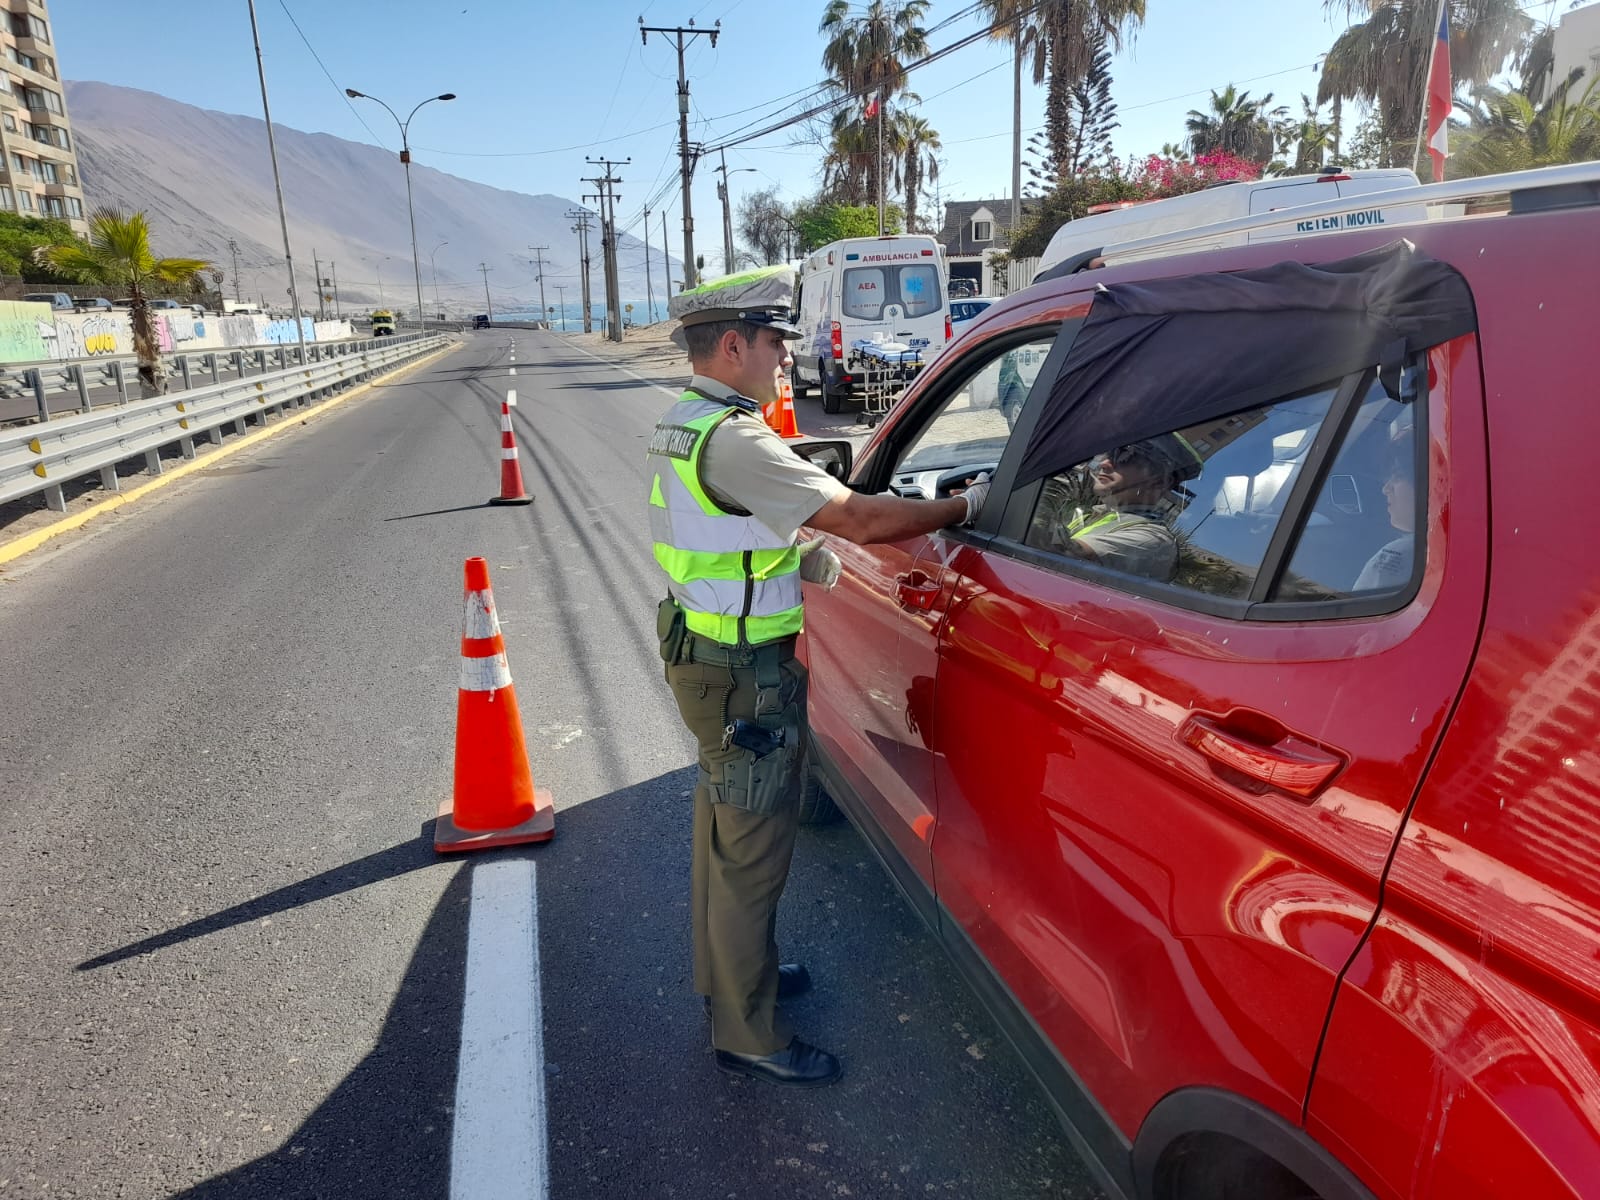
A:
x: 541, y: 85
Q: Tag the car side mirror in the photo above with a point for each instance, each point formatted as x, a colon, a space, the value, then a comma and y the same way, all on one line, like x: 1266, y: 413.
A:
x: 832, y: 457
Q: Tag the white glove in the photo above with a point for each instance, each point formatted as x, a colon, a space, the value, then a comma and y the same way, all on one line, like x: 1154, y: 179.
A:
x: 818, y: 564
x: 977, y: 491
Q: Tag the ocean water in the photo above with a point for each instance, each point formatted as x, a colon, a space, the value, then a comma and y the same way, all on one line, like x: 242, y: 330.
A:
x: 573, y: 313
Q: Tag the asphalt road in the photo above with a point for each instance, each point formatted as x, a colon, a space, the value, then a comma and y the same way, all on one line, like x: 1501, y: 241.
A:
x: 236, y: 967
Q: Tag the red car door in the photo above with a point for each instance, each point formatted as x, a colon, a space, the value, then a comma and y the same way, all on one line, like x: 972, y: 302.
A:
x: 872, y: 673
x: 1167, y: 784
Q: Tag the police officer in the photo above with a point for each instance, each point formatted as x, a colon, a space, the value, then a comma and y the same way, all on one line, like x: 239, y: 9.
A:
x: 727, y: 499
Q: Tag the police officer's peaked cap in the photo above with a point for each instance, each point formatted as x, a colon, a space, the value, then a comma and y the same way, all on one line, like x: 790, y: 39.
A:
x: 1169, y: 452
x: 760, y: 297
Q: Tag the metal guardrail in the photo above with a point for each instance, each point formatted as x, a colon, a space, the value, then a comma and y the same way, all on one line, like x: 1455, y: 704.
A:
x: 78, y: 376
x: 43, y: 457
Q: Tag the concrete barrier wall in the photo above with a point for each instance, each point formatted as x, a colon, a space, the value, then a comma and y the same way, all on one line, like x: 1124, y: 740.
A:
x: 33, y: 332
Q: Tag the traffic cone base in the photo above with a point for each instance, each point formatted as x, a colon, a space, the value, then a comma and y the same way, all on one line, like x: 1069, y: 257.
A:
x: 540, y: 827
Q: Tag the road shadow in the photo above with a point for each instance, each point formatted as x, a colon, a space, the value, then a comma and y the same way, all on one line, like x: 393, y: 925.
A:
x: 931, y: 1101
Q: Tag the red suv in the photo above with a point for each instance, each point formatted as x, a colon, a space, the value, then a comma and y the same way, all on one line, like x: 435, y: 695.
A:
x: 1245, y: 755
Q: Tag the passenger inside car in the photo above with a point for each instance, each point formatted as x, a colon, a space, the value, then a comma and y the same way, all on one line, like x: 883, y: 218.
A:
x: 1127, y: 523
x: 1390, y: 567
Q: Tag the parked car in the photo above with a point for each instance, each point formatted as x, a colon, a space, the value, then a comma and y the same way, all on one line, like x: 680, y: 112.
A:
x: 1243, y: 753
x: 968, y: 309
x: 1079, y: 241
x: 59, y: 301
x: 161, y: 304
x: 95, y: 304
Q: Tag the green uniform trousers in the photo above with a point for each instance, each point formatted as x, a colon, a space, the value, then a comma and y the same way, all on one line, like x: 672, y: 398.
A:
x: 740, y: 858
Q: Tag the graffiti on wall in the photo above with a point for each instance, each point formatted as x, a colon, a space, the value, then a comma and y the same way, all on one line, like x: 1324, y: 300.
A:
x: 21, y: 339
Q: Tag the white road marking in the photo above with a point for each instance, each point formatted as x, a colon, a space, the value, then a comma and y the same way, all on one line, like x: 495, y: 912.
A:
x: 499, y: 1149
x: 513, y: 370
x: 511, y: 397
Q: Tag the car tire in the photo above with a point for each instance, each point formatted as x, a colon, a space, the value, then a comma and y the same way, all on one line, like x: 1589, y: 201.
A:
x: 832, y: 398
x: 800, y: 386
x: 816, y: 806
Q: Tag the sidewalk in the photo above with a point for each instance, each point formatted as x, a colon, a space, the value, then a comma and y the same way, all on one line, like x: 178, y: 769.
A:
x: 649, y: 352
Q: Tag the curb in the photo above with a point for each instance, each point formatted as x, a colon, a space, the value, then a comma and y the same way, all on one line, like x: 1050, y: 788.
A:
x: 30, y: 542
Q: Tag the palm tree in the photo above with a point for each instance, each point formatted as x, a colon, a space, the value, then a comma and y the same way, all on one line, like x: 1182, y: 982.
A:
x: 1383, y: 60
x: 118, y: 255
x: 1311, y: 136
x: 866, y: 56
x: 917, y: 142
x: 1509, y: 132
x: 1059, y: 37
x: 1235, y: 124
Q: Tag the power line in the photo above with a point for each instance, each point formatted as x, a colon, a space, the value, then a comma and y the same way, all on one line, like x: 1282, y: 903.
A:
x: 326, y: 72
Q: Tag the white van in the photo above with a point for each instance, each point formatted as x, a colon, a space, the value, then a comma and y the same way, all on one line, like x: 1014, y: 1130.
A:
x: 889, y: 290
x: 1078, y: 242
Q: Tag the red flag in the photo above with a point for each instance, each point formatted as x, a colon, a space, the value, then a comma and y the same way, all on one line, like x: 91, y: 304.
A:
x: 872, y: 109
x: 1440, y: 97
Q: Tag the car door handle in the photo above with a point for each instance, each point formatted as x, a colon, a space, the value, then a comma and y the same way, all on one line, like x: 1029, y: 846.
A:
x: 1288, y: 762
x: 916, y: 590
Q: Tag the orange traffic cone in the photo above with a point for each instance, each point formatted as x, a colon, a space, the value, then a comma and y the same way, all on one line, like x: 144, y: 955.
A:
x: 786, y: 427
x: 511, y: 490
x: 495, y: 802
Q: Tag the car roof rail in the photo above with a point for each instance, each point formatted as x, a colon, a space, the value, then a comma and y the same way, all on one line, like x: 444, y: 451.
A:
x: 1541, y: 190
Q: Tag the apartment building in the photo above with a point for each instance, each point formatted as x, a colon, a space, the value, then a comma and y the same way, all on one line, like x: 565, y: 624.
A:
x: 40, y: 164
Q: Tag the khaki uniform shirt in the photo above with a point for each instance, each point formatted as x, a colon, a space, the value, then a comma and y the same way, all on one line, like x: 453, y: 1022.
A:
x: 746, y: 465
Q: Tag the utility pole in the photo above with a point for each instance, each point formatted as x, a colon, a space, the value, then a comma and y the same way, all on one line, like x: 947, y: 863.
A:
x: 582, y: 230
x: 686, y: 160
x: 234, y: 247
x: 666, y: 264
x: 649, y: 292
x: 316, y: 266
x: 488, y: 303
x: 538, y: 252
x: 333, y: 268
x: 561, y: 291
x: 277, y: 183
x: 727, y: 216
x: 608, y: 239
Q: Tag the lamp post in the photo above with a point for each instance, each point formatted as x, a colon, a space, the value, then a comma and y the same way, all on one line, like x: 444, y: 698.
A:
x: 727, y: 214
x: 405, y: 158
x: 377, y: 265
x: 561, y: 292
x: 432, y: 266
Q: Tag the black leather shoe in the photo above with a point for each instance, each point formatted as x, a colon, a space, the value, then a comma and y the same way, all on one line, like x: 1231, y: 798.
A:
x: 797, y: 1065
x: 793, y: 980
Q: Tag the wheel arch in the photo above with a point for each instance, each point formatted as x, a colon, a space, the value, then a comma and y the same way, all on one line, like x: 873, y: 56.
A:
x: 1194, y: 1115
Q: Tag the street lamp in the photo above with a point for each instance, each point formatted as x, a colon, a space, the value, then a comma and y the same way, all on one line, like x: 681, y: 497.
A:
x: 434, y: 268
x: 405, y: 158
x: 377, y: 265
x: 727, y: 214
x: 561, y: 291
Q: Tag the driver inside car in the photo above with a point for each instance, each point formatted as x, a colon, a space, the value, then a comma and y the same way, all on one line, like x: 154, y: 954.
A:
x: 1126, y: 528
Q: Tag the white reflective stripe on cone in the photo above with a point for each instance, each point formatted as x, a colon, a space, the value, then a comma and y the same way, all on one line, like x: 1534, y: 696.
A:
x: 478, y: 619
x: 492, y: 674
x: 505, y: 423
x: 508, y: 452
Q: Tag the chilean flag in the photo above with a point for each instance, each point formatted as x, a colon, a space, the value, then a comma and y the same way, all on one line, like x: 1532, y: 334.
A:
x: 1440, y: 97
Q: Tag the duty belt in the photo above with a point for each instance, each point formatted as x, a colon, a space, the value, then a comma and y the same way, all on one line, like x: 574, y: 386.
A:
x: 716, y: 654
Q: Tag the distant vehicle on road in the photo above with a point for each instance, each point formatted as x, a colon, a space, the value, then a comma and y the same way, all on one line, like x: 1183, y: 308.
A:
x: 480, y: 321
x: 239, y: 308
x: 95, y: 304
x: 382, y: 323
x: 162, y: 304
x: 59, y: 301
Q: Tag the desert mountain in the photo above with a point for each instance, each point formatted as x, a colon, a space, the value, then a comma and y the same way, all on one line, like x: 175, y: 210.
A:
x: 205, y: 177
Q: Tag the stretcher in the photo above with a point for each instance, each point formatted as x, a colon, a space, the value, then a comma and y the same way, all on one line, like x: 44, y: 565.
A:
x: 885, y: 369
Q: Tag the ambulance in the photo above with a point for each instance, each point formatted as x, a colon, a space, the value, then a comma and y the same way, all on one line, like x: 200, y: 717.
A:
x: 889, y: 291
